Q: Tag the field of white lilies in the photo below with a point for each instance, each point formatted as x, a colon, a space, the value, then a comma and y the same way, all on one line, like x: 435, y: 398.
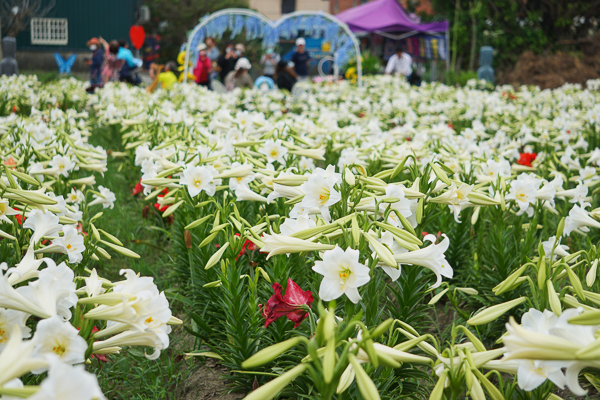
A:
x: 346, y: 242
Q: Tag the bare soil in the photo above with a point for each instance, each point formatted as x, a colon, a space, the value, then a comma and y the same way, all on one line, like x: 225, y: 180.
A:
x: 207, y: 382
x: 552, y: 71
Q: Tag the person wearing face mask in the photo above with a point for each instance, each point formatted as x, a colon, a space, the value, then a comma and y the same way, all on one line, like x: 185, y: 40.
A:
x: 96, y: 61
x: 203, y: 67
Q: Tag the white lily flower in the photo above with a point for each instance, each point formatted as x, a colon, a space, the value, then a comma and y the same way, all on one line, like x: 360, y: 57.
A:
x: 579, y: 218
x: 107, y: 198
x: 291, y: 226
x: 71, y: 244
x: 28, y: 268
x: 75, y: 196
x: 198, y: 179
x: 244, y: 193
x: 9, y: 319
x: 320, y: 192
x: 68, y: 382
x: 560, y: 250
x: 342, y: 274
x: 6, y: 211
x: 59, y: 338
x: 431, y: 257
x: 16, y: 359
x: 42, y: 224
x: 158, y: 339
x: 93, y: 285
x: 62, y: 164
x: 53, y: 292
x: 274, y: 151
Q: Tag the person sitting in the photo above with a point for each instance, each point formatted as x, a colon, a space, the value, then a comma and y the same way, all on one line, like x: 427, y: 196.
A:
x: 203, y: 67
x: 168, y: 77
x: 286, y: 77
x: 131, y: 63
x: 401, y: 63
x: 239, y: 77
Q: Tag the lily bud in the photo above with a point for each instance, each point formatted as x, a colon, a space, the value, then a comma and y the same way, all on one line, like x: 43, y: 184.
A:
x: 481, y: 199
x: 590, y: 278
x: 420, y: 207
x: 365, y: 385
x: 197, y: 222
x: 492, y: 313
x: 349, y: 177
x: 508, y: 283
x: 561, y: 227
x: 329, y: 361
x: 355, y: 230
x: 111, y: 237
x: 541, y: 275
x: 467, y: 290
x: 437, y: 297
x: 95, y: 233
x: 553, y: 299
x: 576, y: 283
x: 383, y: 252
x: 90, y: 181
x: 270, y: 353
x: 208, y: 239
x: 382, y: 328
x: 121, y: 250
x: 438, y: 390
x: 172, y: 209
x: 440, y: 173
x: 216, y: 257
x: 475, y: 215
x: 272, y: 389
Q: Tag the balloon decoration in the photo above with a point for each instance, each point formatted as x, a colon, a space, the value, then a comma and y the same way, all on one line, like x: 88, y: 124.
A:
x: 137, y: 36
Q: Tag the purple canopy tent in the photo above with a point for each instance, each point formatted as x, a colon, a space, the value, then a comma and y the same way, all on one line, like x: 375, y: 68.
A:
x: 384, y: 16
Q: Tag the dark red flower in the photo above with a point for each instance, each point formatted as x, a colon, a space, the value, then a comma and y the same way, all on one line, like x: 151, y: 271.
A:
x: 289, y: 305
x: 248, y: 245
x: 526, y: 159
x: 162, y: 208
x: 18, y: 217
x: 138, y: 188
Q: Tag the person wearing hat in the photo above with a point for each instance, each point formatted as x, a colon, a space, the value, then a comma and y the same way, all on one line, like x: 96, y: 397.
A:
x: 301, y: 59
x: 96, y: 61
x: 239, y: 77
x: 203, y: 67
x: 269, y: 61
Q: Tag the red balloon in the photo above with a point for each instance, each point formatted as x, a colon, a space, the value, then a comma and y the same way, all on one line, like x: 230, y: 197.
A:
x: 137, y: 36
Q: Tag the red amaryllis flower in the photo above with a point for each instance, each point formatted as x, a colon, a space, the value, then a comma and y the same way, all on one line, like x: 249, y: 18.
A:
x: 18, y: 217
x: 138, y: 188
x: 526, y: 159
x: 289, y: 305
x: 162, y: 208
x: 248, y: 245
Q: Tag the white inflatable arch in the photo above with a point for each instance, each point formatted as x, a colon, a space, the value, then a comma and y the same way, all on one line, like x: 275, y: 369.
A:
x: 266, y: 22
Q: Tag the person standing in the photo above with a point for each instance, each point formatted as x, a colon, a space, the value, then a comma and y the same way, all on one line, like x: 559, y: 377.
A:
x: 401, y: 63
x: 213, y: 53
x: 96, y: 61
x: 301, y: 59
x: 203, y: 67
x: 226, y: 61
x: 112, y: 65
x: 269, y: 62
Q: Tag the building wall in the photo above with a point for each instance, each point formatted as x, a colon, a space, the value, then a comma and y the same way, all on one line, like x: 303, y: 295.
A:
x: 110, y: 19
x: 272, y: 8
x: 337, y: 6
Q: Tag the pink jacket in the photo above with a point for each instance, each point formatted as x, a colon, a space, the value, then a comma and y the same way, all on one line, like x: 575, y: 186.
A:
x: 203, y: 68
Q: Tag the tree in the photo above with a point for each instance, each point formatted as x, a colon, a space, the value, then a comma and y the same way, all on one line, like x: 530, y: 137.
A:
x: 15, y: 15
x: 173, y: 19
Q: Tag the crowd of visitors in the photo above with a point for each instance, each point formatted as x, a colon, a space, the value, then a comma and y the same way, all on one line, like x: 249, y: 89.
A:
x: 113, y: 61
